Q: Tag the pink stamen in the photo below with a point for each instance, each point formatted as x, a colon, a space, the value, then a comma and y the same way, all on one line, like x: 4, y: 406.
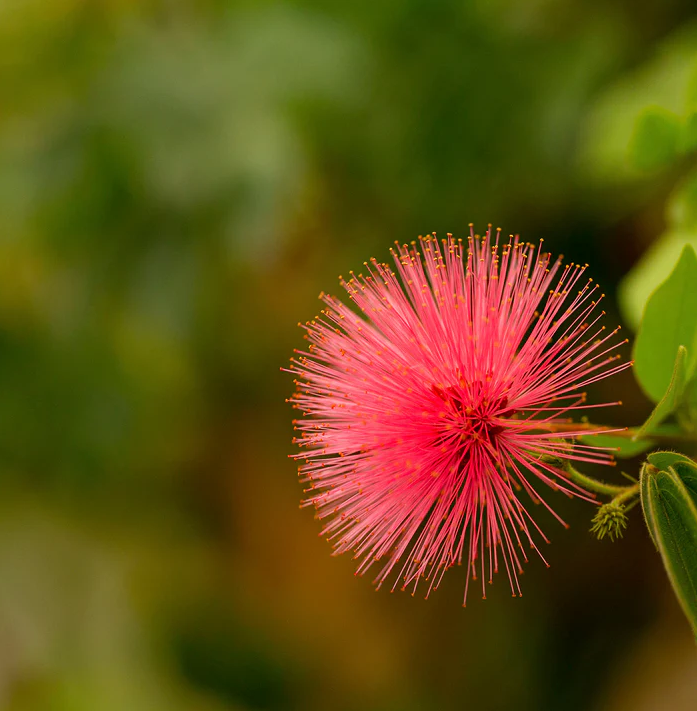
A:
x: 426, y: 417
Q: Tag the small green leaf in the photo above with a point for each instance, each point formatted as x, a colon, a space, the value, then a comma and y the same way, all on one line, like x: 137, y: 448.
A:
x: 631, y: 446
x: 670, y: 321
x: 626, y: 447
x: 670, y: 509
x: 665, y: 460
x: 654, y: 143
x: 671, y: 397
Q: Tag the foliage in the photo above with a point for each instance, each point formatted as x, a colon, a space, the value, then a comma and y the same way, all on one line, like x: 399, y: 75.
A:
x: 178, y: 181
x: 669, y: 500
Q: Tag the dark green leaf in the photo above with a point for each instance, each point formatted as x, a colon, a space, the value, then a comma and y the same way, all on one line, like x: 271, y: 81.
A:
x: 644, y: 479
x: 670, y: 321
x: 671, y: 516
x: 687, y: 471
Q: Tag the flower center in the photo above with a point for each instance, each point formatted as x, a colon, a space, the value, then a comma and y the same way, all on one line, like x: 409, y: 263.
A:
x: 476, y: 417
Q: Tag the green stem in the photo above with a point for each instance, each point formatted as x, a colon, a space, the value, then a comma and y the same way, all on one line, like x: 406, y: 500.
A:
x: 600, y: 487
x: 628, y: 493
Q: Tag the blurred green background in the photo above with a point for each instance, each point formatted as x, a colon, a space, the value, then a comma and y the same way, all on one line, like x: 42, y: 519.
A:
x: 178, y: 181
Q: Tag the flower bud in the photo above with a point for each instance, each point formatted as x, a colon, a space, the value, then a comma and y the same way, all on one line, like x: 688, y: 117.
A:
x: 610, y: 521
x: 669, y: 500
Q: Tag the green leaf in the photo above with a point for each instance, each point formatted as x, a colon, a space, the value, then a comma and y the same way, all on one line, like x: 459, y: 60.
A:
x: 626, y: 447
x: 665, y: 460
x: 644, y: 478
x: 670, y: 321
x: 687, y: 471
x: 654, y: 143
x: 670, y: 399
x: 659, y: 259
x: 670, y: 509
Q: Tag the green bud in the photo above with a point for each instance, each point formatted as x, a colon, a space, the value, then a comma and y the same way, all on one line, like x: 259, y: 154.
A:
x: 669, y: 500
x: 553, y: 461
x: 663, y: 460
x: 610, y: 521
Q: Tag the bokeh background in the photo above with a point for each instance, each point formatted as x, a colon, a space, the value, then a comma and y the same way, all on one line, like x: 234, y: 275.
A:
x: 178, y: 181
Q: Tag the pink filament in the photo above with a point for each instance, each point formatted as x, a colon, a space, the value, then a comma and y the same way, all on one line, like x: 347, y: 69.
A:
x: 427, y: 416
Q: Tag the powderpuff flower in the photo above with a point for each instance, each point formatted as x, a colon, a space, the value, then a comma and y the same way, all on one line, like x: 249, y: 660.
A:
x: 438, y: 406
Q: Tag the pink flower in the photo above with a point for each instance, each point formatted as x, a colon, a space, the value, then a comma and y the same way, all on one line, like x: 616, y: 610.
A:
x: 426, y: 418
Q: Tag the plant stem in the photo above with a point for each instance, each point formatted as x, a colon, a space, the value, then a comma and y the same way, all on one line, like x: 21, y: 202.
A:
x: 628, y: 493
x: 600, y: 487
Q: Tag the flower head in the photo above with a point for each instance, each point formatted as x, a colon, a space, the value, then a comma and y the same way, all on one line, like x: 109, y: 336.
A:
x: 610, y: 521
x: 432, y: 415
